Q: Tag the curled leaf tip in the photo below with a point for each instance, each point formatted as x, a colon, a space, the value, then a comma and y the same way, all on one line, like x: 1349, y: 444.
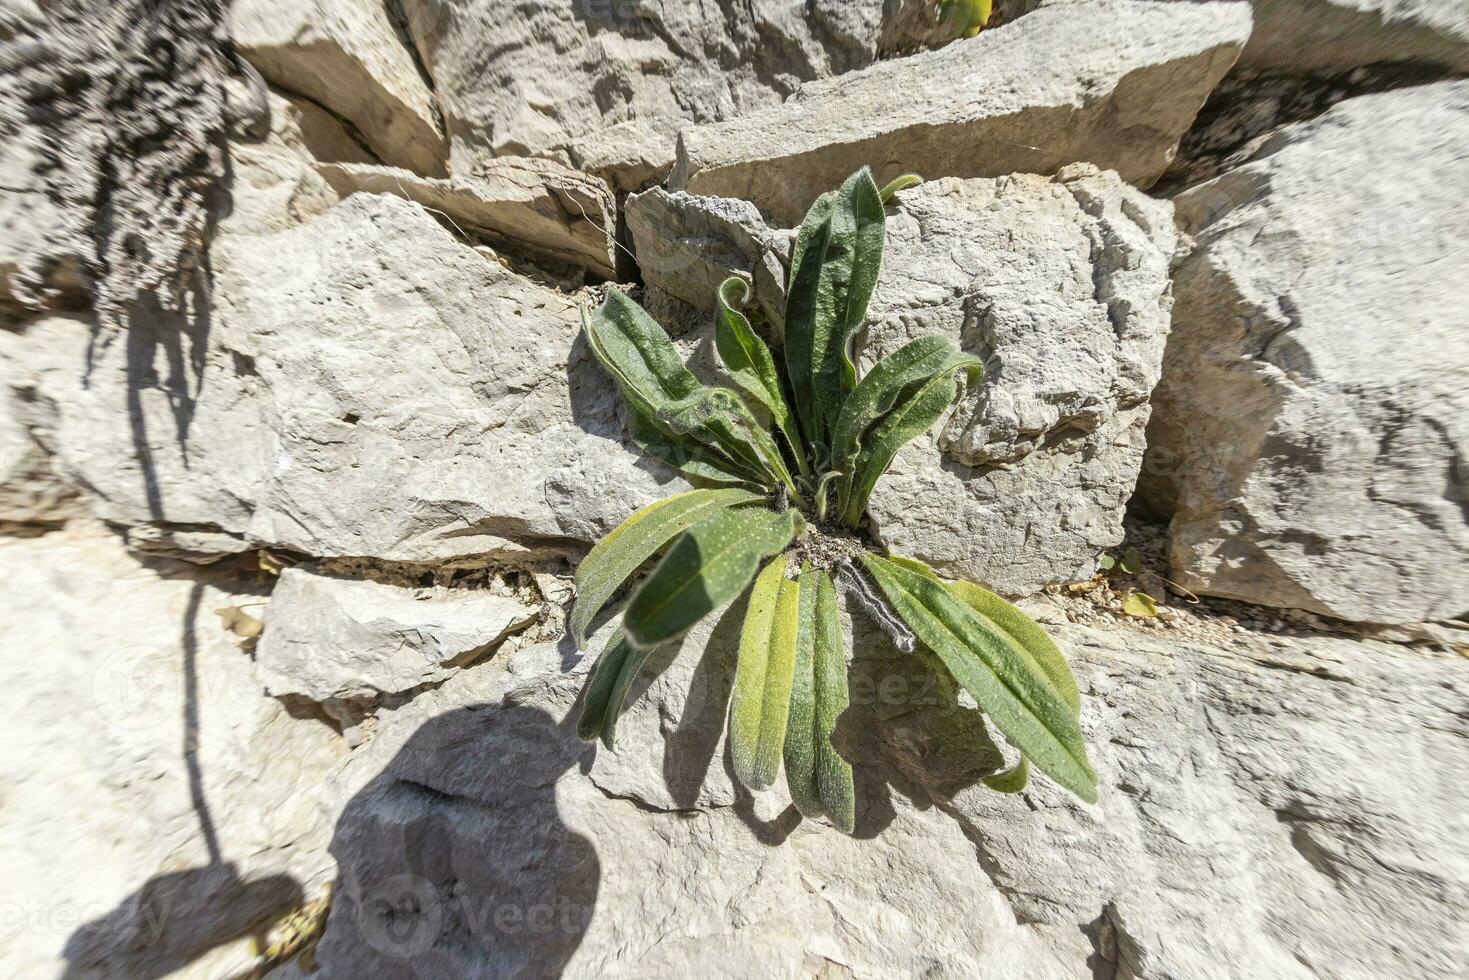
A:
x: 899, y: 184
x: 744, y: 287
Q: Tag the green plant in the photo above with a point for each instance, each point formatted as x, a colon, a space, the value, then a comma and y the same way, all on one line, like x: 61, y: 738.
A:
x: 967, y: 17
x: 785, y: 466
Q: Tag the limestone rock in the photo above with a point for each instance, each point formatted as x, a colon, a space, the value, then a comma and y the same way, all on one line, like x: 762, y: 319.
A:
x: 1310, y: 434
x: 1061, y: 287
x: 605, y: 85
x: 366, y: 386
x: 31, y: 490
x: 41, y: 266
x: 158, y: 808
x: 339, y: 639
x: 688, y: 245
x: 1331, y: 36
x: 275, y: 186
x: 347, y: 56
x: 535, y: 204
x: 1252, y: 819
x: 1111, y: 82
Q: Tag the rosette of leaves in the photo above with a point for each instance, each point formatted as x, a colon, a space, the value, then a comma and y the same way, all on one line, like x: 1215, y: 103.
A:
x: 784, y: 463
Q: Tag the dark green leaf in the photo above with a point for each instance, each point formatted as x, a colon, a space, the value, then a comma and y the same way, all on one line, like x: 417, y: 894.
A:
x: 750, y: 364
x: 820, y: 780
x: 913, y: 415
x: 708, y: 566
x: 633, y: 542
x: 892, y: 379
x: 834, y: 267
x: 664, y: 397
x: 702, y: 466
x: 606, y: 689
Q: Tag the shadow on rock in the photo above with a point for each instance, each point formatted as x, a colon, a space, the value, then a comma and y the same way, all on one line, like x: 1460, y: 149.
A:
x: 455, y: 862
x: 176, y: 918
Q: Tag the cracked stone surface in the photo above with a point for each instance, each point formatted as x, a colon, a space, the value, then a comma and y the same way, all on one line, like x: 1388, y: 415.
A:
x: 367, y: 386
x: 539, y: 205
x: 1110, y: 82
x: 1255, y: 817
x: 157, y: 808
x: 605, y: 86
x: 1312, y: 429
x: 334, y: 639
x: 347, y: 56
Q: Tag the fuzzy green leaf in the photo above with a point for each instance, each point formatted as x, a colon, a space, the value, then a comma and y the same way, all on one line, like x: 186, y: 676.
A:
x: 700, y: 465
x: 915, y: 412
x: 750, y: 364
x: 708, y: 566
x: 897, y: 184
x: 1009, y: 684
x: 762, y: 688
x: 912, y: 365
x: 1023, y: 631
x: 834, y: 267
x: 802, y: 289
x: 1012, y: 780
x: 636, y: 351
x: 717, y: 418
x: 820, y: 780
x: 664, y: 397
x: 619, y: 554
x: 606, y: 689
x: 1018, y: 628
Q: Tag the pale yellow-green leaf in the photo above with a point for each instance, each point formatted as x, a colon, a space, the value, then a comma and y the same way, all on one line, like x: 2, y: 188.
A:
x: 762, y: 690
x: 1139, y: 604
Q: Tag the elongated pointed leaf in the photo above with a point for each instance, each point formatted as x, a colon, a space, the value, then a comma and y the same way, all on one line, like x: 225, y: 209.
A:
x: 834, y: 267
x: 1023, y: 631
x: 606, y: 689
x: 1018, y: 628
x: 1008, y: 683
x: 820, y: 780
x: 633, y: 542
x: 802, y: 315
x: 636, y: 351
x: 893, y: 377
x: 666, y: 398
x: 762, y: 689
x: 702, y: 467
x: 912, y: 416
x: 716, y: 418
x: 708, y: 566
x: 750, y: 363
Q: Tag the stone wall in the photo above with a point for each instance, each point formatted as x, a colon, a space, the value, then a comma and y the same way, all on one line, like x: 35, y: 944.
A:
x: 300, y: 441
